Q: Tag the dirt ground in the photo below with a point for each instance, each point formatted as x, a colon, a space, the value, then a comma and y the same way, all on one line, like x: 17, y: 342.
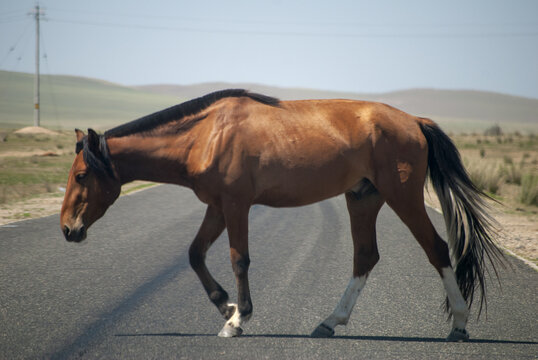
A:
x: 35, y: 130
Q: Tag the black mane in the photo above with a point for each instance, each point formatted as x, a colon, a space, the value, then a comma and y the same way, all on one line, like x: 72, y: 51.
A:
x: 98, y: 161
x: 187, y: 108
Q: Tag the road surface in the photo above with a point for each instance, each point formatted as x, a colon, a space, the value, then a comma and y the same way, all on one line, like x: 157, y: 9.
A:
x: 128, y: 291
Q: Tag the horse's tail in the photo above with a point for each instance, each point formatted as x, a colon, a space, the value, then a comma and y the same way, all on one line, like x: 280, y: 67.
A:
x: 470, y: 228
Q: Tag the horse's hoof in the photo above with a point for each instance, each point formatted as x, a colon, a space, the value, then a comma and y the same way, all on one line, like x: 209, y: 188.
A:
x: 458, y: 335
x: 230, y: 331
x: 322, y: 331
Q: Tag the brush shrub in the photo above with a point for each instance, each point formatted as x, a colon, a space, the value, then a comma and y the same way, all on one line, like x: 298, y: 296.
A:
x: 529, y: 190
x: 486, y: 178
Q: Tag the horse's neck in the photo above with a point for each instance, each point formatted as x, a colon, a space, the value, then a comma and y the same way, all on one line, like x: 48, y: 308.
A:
x: 150, y: 159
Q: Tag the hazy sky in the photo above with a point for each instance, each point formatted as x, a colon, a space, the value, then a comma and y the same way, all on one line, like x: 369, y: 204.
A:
x: 359, y: 46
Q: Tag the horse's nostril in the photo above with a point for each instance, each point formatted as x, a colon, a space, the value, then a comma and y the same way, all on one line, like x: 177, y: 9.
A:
x: 67, y: 231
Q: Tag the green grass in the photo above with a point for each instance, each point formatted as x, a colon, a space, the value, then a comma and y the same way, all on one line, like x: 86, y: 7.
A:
x: 23, y: 177
x: 34, y: 170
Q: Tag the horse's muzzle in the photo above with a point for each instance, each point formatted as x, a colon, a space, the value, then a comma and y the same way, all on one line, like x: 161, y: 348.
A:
x: 74, y: 235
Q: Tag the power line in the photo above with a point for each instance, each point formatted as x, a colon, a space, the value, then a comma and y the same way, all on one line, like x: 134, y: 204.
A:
x: 299, y: 22
x: 481, y: 34
x: 12, y: 19
x: 12, y: 12
x: 14, y: 46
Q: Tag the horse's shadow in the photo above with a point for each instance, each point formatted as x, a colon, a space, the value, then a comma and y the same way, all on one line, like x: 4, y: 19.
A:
x: 363, y: 337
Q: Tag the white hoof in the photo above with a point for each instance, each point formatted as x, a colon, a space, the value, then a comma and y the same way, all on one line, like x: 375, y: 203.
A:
x: 229, y: 331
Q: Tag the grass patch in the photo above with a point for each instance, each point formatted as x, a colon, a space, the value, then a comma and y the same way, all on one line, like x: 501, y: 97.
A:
x: 135, y: 186
x: 24, y: 173
x: 34, y: 170
x: 511, y: 174
x: 486, y: 178
x: 529, y: 190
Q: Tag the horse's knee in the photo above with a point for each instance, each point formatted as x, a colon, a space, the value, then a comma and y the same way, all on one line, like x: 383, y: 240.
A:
x: 240, y: 264
x: 219, y: 296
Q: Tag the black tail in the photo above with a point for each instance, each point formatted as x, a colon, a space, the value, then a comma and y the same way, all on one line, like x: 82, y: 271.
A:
x: 470, y: 228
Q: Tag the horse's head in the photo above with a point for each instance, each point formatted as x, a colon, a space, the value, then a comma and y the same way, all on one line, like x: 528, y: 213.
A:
x: 92, y: 186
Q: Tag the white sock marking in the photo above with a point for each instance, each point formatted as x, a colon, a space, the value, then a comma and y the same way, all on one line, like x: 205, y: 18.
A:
x: 235, y: 320
x: 460, y: 312
x: 342, y: 312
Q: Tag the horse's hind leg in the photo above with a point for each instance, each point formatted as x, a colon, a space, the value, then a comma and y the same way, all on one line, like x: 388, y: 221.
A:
x: 212, y: 226
x: 408, y: 203
x: 363, y: 208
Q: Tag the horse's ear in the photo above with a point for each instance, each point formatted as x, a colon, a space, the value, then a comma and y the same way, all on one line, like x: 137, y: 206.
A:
x: 93, y: 141
x: 80, y: 134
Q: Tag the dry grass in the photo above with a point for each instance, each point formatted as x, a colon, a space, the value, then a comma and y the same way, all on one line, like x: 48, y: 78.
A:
x: 504, y: 166
x: 529, y: 190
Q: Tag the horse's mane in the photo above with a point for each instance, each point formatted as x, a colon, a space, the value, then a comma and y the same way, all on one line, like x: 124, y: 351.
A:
x: 182, y: 110
x: 99, y: 162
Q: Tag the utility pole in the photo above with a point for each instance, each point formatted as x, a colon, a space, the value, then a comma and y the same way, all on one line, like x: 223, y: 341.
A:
x: 37, y: 13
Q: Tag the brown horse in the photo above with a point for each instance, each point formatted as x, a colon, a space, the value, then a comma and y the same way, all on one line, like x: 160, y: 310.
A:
x: 234, y: 149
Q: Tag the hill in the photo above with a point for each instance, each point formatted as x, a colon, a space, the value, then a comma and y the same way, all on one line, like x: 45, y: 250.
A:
x: 68, y: 102
x: 456, y: 110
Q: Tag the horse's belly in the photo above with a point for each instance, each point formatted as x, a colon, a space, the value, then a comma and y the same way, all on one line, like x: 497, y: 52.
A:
x: 297, y: 187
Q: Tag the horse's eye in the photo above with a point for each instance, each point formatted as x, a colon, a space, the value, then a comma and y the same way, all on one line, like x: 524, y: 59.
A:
x: 81, y: 176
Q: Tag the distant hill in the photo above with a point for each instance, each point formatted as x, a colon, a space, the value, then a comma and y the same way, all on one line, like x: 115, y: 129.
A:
x: 456, y: 110
x: 68, y: 102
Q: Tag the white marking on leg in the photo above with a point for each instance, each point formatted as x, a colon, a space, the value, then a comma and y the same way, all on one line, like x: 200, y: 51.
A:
x: 342, y: 312
x: 235, y: 320
x: 459, y: 309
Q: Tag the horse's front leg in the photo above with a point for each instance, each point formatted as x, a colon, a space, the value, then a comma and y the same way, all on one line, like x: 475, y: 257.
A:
x: 212, y: 226
x: 236, y: 217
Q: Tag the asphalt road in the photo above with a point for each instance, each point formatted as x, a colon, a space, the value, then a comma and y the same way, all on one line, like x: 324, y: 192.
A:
x: 128, y: 291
